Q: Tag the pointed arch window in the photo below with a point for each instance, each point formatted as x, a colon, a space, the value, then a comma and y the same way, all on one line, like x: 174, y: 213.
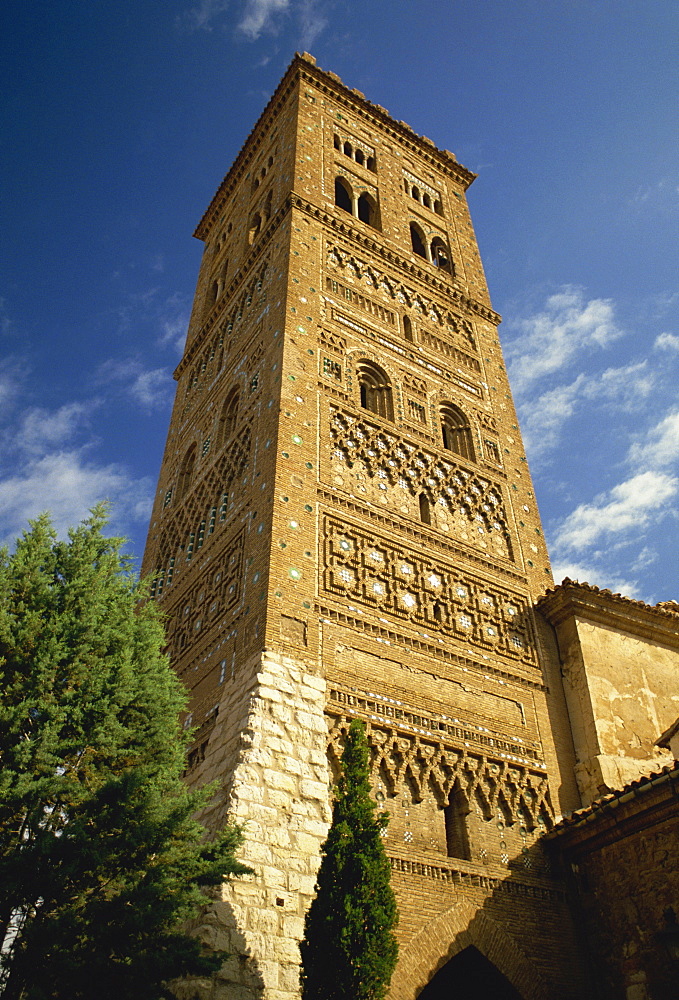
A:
x: 456, y: 432
x: 375, y: 387
x: 186, y: 472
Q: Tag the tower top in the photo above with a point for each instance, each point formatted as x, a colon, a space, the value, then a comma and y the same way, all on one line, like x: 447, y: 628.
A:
x: 303, y: 66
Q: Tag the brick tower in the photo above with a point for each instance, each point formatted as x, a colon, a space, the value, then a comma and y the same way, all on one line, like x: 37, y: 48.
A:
x: 345, y: 526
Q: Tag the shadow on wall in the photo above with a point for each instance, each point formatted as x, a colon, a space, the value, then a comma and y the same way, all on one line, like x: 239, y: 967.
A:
x: 519, y: 943
x: 469, y: 971
x: 240, y: 977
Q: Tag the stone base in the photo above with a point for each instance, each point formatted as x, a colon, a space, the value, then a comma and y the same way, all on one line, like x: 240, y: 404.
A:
x: 276, y: 786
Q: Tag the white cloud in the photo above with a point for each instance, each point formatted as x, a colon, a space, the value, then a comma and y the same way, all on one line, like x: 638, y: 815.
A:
x: 46, y: 465
x: 626, y: 386
x: 149, y: 387
x: 42, y: 429
x: 596, y: 575
x: 174, y: 321
x: 312, y: 23
x: 10, y: 379
x: 660, y: 447
x: 542, y: 419
x: 666, y: 342
x: 259, y: 16
x: 67, y: 486
x: 203, y: 14
x: 550, y: 340
x: 627, y: 507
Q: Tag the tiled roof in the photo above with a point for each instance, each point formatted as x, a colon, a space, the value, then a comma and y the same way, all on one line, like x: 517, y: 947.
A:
x: 632, y: 790
x: 668, y: 608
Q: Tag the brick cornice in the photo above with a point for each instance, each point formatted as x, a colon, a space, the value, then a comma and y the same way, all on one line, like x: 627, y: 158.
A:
x: 583, y: 600
x: 448, y: 289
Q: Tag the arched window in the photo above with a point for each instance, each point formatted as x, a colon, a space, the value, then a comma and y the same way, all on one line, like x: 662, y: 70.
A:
x: 426, y: 200
x: 371, y: 165
x: 438, y: 207
x: 407, y: 328
x: 343, y: 195
x: 375, y: 390
x: 267, y: 205
x: 336, y: 142
x: 456, y: 432
x: 440, y: 255
x: 367, y: 211
x: 359, y: 156
x: 415, y: 192
x: 228, y: 417
x: 417, y: 240
x: 347, y: 149
x: 186, y: 472
x: 425, y: 509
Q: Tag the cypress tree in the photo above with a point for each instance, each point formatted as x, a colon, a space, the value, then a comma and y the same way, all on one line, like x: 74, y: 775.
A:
x: 100, y: 853
x: 349, y: 949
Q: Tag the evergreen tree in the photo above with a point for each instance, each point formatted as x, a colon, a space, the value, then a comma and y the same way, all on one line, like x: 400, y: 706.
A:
x: 349, y: 949
x: 100, y: 854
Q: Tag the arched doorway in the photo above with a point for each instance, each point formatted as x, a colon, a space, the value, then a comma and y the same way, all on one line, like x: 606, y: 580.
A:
x: 469, y: 974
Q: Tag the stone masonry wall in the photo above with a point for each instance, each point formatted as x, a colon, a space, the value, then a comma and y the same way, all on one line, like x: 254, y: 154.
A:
x: 268, y: 753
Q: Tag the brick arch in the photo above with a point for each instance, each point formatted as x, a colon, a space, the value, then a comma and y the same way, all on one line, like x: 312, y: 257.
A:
x: 450, y: 933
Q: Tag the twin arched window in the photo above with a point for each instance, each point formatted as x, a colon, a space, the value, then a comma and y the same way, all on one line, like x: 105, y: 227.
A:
x: 436, y: 252
x: 375, y: 387
x: 364, y: 207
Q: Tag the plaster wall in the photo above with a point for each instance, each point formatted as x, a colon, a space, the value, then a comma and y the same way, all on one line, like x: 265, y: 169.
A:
x: 621, y: 693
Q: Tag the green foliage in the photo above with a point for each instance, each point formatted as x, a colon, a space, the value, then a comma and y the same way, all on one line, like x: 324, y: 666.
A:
x: 100, y: 856
x: 349, y: 949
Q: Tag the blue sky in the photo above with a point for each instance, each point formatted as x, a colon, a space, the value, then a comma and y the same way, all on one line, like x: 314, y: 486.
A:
x: 120, y: 119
